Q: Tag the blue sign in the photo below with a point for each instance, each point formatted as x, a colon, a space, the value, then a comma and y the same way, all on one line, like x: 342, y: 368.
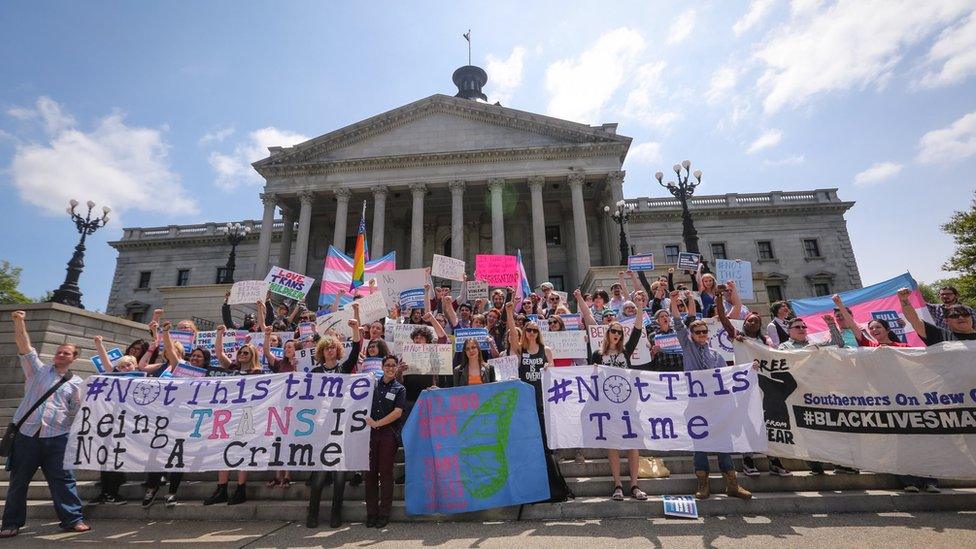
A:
x: 641, y: 262
x: 668, y: 343
x: 894, y: 322
x: 113, y: 355
x: 412, y: 299
x: 688, y: 261
x: 472, y: 448
x: 680, y: 506
x: 463, y: 334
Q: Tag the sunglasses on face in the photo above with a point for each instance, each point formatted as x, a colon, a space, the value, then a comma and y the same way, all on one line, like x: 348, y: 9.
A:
x: 700, y: 332
x: 958, y: 315
x: 615, y: 331
x: 553, y: 322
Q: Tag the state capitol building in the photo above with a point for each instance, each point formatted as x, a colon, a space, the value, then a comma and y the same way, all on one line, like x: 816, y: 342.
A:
x: 457, y: 176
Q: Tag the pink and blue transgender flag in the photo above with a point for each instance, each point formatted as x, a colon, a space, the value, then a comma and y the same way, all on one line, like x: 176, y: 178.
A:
x: 524, y: 289
x: 338, y: 274
x: 880, y: 299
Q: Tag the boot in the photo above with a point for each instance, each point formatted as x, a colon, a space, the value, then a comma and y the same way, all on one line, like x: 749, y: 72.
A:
x: 702, y: 492
x: 240, y: 495
x: 732, y: 488
x: 219, y: 495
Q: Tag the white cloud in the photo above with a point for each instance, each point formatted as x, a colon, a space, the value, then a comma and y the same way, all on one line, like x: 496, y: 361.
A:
x: 954, y: 53
x: 951, y: 144
x: 849, y: 44
x: 123, y: 167
x: 794, y: 160
x: 216, y: 136
x: 48, y: 110
x: 682, y: 26
x: 234, y: 169
x: 757, y: 10
x: 580, y: 87
x: 647, y: 91
x: 505, y: 75
x: 769, y: 138
x: 878, y: 172
x: 645, y: 153
x: 722, y: 84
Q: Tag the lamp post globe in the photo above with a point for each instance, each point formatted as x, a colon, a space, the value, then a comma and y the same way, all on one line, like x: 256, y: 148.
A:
x: 69, y: 293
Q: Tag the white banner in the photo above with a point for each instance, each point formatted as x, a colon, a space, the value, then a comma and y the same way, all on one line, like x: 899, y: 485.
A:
x: 424, y: 358
x: 391, y: 283
x: 642, y: 354
x: 566, y: 344
x: 908, y: 411
x: 247, y: 292
x: 447, y: 267
x: 605, y: 407
x: 299, y: 422
x: 719, y: 340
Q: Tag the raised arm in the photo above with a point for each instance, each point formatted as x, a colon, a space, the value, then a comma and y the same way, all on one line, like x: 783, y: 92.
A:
x: 448, y: 307
x: 266, y: 348
x: 20, y: 332
x: 219, y: 347
x: 295, y: 311
x: 720, y: 310
x: 736, y: 299
x: 427, y: 298
x: 635, y: 284
x: 154, y: 322
x: 670, y: 279
x: 845, y: 314
x: 692, y: 303
x: 102, y: 355
x: 697, y: 279
x: 836, y: 338
x: 585, y: 313
x: 513, y: 340
x: 463, y: 295
x: 169, y: 349
x: 357, y: 334
x: 224, y: 312
x: 262, y: 310
x: 911, y: 315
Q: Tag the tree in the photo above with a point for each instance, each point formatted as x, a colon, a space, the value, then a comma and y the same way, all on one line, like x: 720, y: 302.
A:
x: 9, y: 281
x: 962, y: 227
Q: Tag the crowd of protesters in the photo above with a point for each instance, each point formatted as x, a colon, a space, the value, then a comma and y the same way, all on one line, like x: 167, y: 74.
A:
x: 516, y: 325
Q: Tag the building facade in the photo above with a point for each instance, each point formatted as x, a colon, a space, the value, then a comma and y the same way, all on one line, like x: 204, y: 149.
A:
x: 458, y: 177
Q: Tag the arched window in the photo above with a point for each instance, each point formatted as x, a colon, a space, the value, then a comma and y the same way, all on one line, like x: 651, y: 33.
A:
x: 447, y: 248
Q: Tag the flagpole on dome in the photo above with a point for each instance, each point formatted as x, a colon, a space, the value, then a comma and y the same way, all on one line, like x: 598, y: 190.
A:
x: 467, y: 36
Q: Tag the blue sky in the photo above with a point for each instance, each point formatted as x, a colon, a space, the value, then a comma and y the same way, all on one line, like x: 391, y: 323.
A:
x: 156, y: 109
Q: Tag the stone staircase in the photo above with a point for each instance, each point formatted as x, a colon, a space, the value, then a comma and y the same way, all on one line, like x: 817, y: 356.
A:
x: 591, y: 481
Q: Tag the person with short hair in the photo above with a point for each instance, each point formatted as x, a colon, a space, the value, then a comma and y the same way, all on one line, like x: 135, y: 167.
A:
x: 43, y: 434
x: 389, y: 398
x: 778, y: 329
x: 958, y: 319
x: 949, y: 296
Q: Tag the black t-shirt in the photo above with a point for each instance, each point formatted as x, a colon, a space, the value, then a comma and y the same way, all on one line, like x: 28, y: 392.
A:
x: 530, y: 370
x: 935, y: 334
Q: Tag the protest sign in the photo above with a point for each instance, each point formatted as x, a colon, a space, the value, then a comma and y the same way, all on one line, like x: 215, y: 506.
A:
x: 113, y: 355
x: 412, y: 299
x: 185, y: 370
x: 208, y: 339
x: 474, y: 447
x: 396, y: 333
x: 895, y: 322
x: 905, y: 411
x: 688, y: 261
x: 463, y: 334
x: 642, y: 354
x: 572, y: 322
x: 497, y: 270
x: 391, y: 283
x: 424, y: 358
x: 306, y: 359
x: 289, y: 284
x: 338, y: 321
x: 566, y: 344
x: 307, y: 329
x: 373, y: 365
x: 477, y: 289
x: 447, y: 267
x: 247, y: 292
x: 372, y: 308
x: 641, y: 262
x: 186, y: 338
x: 738, y: 271
x: 261, y: 422
x: 606, y: 407
x: 506, y: 367
x: 668, y: 343
x: 680, y: 506
x: 719, y: 340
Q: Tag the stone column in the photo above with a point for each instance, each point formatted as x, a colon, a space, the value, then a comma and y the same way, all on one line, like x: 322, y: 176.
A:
x: 287, y: 232
x: 615, y: 182
x: 300, y: 263
x: 419, y: 190
x: 457, y: 219
x: 579, y: 227
x: 496, y: 186
x: 264, y: 240
x: 379, y: 221
x: 342, y: 218
x: 540, y: 254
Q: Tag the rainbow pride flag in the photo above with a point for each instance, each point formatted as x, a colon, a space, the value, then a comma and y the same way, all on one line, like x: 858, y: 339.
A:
x: 361, y: 255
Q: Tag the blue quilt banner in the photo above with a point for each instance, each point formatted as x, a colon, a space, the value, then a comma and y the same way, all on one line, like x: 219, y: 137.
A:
x: 472, y: 448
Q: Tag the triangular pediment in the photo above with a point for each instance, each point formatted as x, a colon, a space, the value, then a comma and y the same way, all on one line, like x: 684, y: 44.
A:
x: 441, y: 124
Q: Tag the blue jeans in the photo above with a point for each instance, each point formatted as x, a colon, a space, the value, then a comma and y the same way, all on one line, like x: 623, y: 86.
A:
x: 47, y: 453
x: 701, y: 462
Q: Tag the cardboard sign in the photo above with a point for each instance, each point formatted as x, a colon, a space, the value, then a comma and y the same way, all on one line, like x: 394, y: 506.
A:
x: 463, y: 334
x: 306, y: 359
x: 477, y: 289
x: 497, y: 270
x: 641, y: 262
x: 289, y: 284
x: 688, y: 261
x: 247, y: 292
x: 412, y: 299
x: 506, y: 367
x: 668, y: 343
x: 423, y: 358
x: 113, y: 355
x: 738, y: 271
x: 447, y: 267
x: 680, y: 506
x: 372, y: 308
x: 391, y: 283
x: 396, y: 334
x: 338, y: 321
x: 566, y: 344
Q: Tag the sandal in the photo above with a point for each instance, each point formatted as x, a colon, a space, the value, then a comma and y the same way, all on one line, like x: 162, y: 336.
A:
x: 618, y: 493
x: 9, y: 532
x: 637, y: 493
x: 78, y: 527
x: 285, y: 483
x: 272, y: 483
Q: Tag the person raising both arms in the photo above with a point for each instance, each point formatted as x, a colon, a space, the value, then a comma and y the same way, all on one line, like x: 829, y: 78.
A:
x: 958, y: 317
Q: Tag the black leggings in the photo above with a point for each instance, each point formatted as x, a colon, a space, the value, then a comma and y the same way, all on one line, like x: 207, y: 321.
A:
x: 317, y: 482
x: 152, y: 481
x: 111, y: 481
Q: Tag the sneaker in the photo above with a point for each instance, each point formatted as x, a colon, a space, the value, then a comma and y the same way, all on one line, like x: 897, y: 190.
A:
x: 911, y: 489
x: 240, y: 495
x: 818, y: 471
x: 98, y: 500
x: 356, y: 480
x: 381, y: 522
x: 115, y: 500
x: 932, y: 489
x: 219, y: 495
x: 150, y: 497
x: 749, y: 470
x: 779, y: 471
x: 171, y: 500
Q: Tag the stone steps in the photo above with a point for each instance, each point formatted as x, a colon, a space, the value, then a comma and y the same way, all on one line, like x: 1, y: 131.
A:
x: 770, y: 503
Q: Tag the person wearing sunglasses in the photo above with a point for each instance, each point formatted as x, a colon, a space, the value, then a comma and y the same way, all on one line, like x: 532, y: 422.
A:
x: 698, y: 355
x: 949, y: 296
x: 958, y: 318
x: 798, y: 338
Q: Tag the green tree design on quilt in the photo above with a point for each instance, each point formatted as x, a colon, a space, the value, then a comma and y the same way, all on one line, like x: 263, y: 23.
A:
x: 484, y: 468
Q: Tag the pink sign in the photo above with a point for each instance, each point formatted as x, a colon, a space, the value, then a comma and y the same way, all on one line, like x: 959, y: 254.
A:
x: 497, y: 270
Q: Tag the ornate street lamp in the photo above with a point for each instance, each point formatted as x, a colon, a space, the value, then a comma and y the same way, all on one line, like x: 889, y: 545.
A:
x: 684, y: 190
x: 621, y: 215
x: 69, y: 293
x: 235, y: 233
